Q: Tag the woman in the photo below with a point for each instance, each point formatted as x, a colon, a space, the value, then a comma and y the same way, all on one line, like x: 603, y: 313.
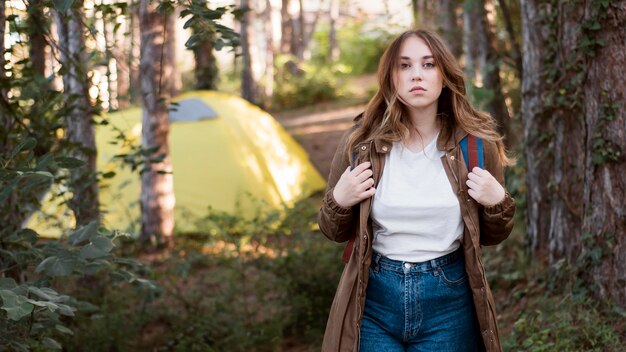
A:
x: 400, y: 191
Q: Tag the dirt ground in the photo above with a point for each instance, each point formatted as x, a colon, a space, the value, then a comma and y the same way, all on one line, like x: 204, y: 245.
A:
x: 319, y: 132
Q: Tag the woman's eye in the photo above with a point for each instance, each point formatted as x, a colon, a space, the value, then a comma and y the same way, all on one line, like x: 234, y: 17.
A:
x: 429, y: 65
x: 403, y: 65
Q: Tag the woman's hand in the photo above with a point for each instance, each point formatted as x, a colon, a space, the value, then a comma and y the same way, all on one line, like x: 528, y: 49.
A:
x: 354, y: 185
x: 484, y: 188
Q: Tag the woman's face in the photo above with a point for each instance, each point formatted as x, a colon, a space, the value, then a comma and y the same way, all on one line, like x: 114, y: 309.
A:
x: 416, y: 76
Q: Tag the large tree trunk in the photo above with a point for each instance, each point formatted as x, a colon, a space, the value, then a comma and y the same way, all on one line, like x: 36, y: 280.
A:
x: 448, y: 26
x: 574, y: 124
x: 80, y: 129
x: 248, y: 84
x: 37, y: 26
x: 157, y: 182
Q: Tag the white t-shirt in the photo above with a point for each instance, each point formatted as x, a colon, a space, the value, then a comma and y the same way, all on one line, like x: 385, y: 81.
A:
x: 415, y: 214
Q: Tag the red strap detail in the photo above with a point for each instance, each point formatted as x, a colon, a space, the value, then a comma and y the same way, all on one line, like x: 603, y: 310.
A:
x: 472, y: 152
x: 347, y: 252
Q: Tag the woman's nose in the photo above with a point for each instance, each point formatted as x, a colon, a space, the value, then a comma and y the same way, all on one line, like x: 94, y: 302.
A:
x: 416, y: 74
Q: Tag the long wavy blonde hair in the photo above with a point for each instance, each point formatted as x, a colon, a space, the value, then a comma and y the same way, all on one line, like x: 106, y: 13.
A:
x: 387, y: 118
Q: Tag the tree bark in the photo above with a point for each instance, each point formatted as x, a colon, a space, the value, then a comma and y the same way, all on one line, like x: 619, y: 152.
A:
x: 490, y: 72
x: 574, y: 124
x: 37, y: 26
x: 134, y: 53
x: 248, y: 84
x: 517, y: 52
x: 269, y: 54
x: 120, y: 57
x: 157, y: 182
x: 448, y: 26
x: 2, y: 27
x: 604, y: 202
x: 206, y: 72
x: 471, y: 18
x: 170, y: 50
x: 80, y: 129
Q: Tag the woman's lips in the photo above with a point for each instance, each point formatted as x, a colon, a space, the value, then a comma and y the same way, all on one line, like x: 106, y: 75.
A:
x: 417, y: 89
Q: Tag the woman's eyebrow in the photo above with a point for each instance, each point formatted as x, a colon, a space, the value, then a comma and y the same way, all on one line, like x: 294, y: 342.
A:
x: 425, y: 57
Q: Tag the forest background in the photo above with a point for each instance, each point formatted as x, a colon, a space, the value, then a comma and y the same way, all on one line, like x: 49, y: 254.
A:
x: 550, y: 71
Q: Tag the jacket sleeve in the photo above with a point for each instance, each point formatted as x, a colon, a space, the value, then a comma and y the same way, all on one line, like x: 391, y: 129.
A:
x: 496, y: 221
x: 335, y: 221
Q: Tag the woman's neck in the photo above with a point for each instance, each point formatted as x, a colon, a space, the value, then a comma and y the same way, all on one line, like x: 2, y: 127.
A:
x: 424, y: 122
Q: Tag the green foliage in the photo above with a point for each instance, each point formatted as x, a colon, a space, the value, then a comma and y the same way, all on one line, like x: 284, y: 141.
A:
x: 360, y: 47
x: 604, y: 150
x: 311, y: 84
x: 238, y: 285
x: 203, y: 21
x: 565, y: 324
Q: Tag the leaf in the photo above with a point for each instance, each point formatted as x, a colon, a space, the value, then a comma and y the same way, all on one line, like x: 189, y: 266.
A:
x: 63, y: 5
x: 55, y: 266
x: 28, y: 235
x: 7, y: 283
x: 90, y: 251
x: 66, y: 310
x: 84, y: 233
x: 44, y: 161
x: 44, y: 173
x: 49, y: 294
x: 16, y: 306
x: 51, y: 343
x: 103, y: 243
x: 50, y: 305
x: 67, y: 162
x: 64, y: 329
x: 27, y: 144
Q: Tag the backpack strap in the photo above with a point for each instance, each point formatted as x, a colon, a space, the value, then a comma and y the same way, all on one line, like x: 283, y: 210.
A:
x: 473, y: 152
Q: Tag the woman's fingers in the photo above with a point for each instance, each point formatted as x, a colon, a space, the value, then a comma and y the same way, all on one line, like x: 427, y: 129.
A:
x: 363, y: 176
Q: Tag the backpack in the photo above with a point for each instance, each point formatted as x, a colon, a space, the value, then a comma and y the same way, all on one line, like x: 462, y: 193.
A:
x: 473, y: 153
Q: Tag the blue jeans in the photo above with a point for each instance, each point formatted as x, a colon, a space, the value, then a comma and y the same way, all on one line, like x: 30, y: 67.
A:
x: 423, y: 306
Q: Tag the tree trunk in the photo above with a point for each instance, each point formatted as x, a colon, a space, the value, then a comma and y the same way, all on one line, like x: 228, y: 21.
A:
x: 490, y: 72
x: 111, y: 91
x: 157, y: 182
x: 170, y: 50
x: 248, y: 85
x: 121, y: 64
x: 2, y: 27
x: 332, y: 33
x: 134, y: 52
x: 517, y: 52
x: 604, y: 199
x: 206, y: 72
x: 471, y: 18
x: 269, y: 54
x: 37, y: 26
x: 574, y: 123
x: 286, y: 28
x: 80, y: 129
x: 449, y: 27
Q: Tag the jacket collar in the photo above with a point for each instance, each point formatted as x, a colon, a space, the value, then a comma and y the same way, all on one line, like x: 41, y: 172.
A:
x: 446, y: 141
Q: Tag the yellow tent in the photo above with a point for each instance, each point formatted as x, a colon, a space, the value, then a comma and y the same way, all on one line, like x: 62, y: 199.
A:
x: 223, y: 150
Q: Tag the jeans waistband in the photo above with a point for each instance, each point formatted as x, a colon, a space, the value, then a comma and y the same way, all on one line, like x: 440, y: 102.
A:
x: 429, y: 265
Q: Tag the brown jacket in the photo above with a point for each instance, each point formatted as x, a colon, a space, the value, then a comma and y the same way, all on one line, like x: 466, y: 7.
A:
x: 483, y: 226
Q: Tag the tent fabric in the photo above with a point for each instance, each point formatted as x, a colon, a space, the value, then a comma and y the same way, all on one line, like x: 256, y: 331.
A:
x: 192, y: 109
x: 241, y: 161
